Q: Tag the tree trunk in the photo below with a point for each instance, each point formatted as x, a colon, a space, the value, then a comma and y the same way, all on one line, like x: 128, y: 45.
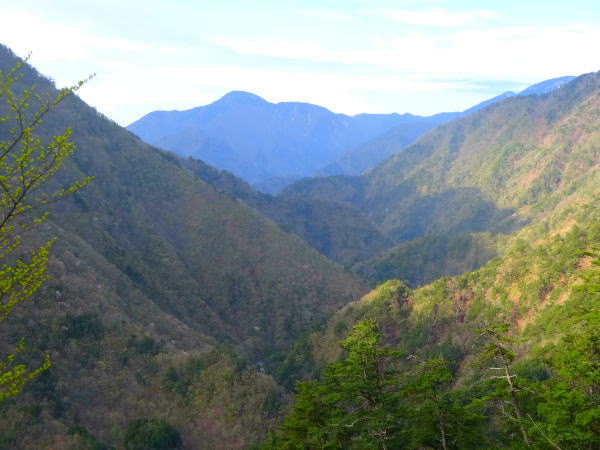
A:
x: 442, y: 426
x: 515, y: 402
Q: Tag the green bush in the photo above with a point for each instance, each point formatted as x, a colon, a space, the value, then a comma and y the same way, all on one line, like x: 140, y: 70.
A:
x: 151, y: 434
x: 79, y: 327
x: 146, y: 345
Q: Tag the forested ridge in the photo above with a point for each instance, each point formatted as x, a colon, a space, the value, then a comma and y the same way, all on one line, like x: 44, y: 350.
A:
x: 503, y: 357
x: 154, y: 270
x: 184, y: 309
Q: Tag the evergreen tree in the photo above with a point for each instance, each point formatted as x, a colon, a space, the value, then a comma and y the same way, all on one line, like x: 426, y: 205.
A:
x: 499, y: 350
x: 435, y: 418
x: 354, y: 406
x: 569, y: 413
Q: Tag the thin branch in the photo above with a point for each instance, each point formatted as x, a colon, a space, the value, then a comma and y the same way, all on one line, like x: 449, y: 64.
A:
x: 543, y: 434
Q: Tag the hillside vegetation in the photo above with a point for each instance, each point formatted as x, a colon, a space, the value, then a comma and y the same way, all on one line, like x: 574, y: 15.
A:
x: 151, y: 267
x: 492, y: 171
x: 430, y: 367
x: 505, y: 356
x: 186, y: 310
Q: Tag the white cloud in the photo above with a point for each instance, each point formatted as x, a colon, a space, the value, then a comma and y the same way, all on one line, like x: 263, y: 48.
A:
x: 26, y: 33
x: 136, y: 77
x: 526, y: 53
x: 439, y: 17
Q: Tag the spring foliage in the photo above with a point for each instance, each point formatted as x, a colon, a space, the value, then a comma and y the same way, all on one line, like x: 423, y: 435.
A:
x: 26, y: 165
x: 505, y: 397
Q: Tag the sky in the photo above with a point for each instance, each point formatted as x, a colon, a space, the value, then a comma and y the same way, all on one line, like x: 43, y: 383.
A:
x: 351, y: 56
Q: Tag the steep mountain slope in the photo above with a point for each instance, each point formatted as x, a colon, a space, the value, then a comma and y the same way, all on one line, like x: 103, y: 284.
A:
x: 490, y: 171
x: 547, y: 86
x: 337, y: 230
x: 356, y: 160
x: 153, y: 267
x: 545, y: 325
x: 258, y: 140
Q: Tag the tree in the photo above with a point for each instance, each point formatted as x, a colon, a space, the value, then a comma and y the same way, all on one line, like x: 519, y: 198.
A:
x: 570, y: 410
x: 499, y: 350
x: 27, y: 163
x: 152, y: 434
x: 353, y: 406
x: 434, y: 417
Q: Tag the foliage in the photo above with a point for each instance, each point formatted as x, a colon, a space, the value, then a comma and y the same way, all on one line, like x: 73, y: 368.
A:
x: 151, y: 434
x: 350, y: 407
x: 503, y: 387
x: 26, y: 166
x: 434, y: 415
x: 87, y: 325
x: 365, y: 401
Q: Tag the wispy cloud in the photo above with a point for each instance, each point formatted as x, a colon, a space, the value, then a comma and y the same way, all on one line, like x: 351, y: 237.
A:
x: 505, y: 52
x: 423, y: 69
x: 439, y: 17
x: 192, y: 85
x: 25, y: 32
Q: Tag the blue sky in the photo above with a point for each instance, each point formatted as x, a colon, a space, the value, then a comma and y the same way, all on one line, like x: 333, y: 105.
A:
x: 350, y: 56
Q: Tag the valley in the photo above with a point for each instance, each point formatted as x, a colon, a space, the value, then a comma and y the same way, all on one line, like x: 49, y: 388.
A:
x: 422, y: 252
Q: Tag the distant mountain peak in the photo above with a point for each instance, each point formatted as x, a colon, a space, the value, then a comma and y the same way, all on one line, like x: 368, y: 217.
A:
x: 547, y: 86
x: 241, y: 98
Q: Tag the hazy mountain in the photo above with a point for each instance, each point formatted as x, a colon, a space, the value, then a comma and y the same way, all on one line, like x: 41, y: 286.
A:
x: 258, y: 140
x: 270, y: 145
x: 356, y: 160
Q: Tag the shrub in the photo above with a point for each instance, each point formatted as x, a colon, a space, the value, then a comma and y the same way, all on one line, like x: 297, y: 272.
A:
x: 151, y: 434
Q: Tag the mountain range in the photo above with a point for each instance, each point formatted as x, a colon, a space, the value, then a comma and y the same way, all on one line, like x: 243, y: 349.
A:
x: 271, y: 145
x: 179, y: 293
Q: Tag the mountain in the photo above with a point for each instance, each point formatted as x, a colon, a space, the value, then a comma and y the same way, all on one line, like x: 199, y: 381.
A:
x: 356, y: 160
x: 271, y: 145
x: 258, y: 140
x: 545, y: 87
x: 157, y: 275
x: 337, y: 230
x: 494, y: 170
x: 504, y: 356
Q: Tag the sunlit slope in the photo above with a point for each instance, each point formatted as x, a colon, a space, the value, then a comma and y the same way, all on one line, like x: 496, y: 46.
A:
x: 493, y: 170
x: 532, y: 287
